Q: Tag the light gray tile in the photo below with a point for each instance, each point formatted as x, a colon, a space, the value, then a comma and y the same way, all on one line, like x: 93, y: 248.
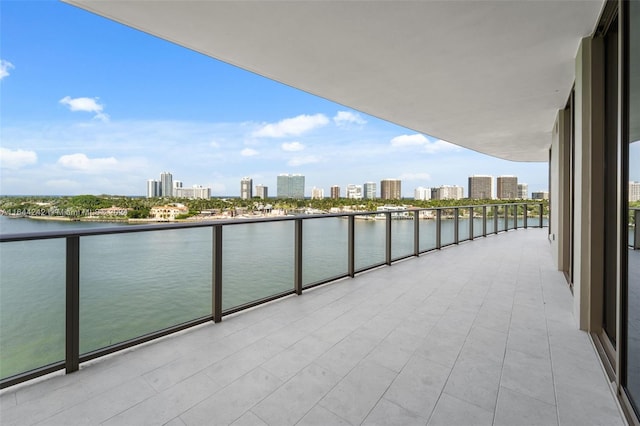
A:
x: 168, y: 404
x: 387, y: 413
x: 320, y: 416
x: 529, y: 375
x: 451, y: 411
x: 346, y: 354
x: 249, y: 419
x: 475, y: 380
x: 232, y: 401
x: 441, y: 347
x: 239, y: 363
x: 176, y: 421
x: 104, y: 406
x: 298, y: 395
x: 296, y: 357
x: 514, y: 408
x: 418, y: 386
x: 358, y: 392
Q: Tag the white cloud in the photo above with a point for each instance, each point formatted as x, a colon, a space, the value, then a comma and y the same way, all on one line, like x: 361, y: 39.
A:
x: 299, y: 161
x: 418, y: 140
x: 86, y: 105
x: 292, y: 146
x: 80, y: 162
x: 292, y: 126
x: 16, y: 158
x: 5, y: 66
x: 409, y: 140
x: 343, y: 118
x: 415, y: 176
x: 248, y: 152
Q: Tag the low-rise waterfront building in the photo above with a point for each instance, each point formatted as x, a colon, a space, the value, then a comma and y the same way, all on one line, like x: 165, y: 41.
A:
x: 168, y: 212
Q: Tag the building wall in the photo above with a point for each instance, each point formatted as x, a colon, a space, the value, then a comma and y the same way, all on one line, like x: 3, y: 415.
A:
x: 262, y: 191
x: 291, y: 186
x: 390, y: 189
x: 370, y: 190
x: 506, y: 187
x: 246, y: 188
x: 335, y: 192
x: 480, y: 187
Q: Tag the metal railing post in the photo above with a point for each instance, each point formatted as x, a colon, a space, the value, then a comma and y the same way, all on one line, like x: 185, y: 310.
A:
x: 456, y: 231
x: 484, y: 221
x: 541, y: 214
x: 495, y: 219
x: 636, y: 230
x: 388, y: 239
x: 216, y: 293
x: 416, y: 233
x: 351, y: 262
x: 297, y: 280
x: 438, y: 228
x: 470, y: 223
x: 525, y: 215
x: 72, y: 326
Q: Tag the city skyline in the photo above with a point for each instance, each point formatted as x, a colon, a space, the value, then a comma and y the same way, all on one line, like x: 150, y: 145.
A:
x: 99, y: 120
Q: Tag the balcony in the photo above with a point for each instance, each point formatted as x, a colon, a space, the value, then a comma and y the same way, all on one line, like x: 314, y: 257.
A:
x: 478, y: 333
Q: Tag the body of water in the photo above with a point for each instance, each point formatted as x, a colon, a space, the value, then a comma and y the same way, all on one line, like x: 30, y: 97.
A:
x: 133, y: 284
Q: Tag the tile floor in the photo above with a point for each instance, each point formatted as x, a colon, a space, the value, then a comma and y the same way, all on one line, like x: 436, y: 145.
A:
x: 477, y: 334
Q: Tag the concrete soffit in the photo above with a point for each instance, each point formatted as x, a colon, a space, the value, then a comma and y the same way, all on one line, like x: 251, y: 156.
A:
x: 486, y: 75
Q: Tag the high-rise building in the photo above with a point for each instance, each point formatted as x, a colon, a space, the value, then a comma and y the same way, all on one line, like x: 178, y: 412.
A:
x: 335, y: 192
x: 390, y: 189
x: 370, y: 190
x: 166, y: 184
x: 447, y: 192
x: 317, y: 193
x: 246, y: 188
x: 262, y: 192
x: 153, y: 188
x: 291, y: 186
x: 480, y: 187
x: 177, y: 185
x: 422, y: 193
x: 634, y: 191
x: 507, y: 187
x: 354, y: 191
x: 523, y: 191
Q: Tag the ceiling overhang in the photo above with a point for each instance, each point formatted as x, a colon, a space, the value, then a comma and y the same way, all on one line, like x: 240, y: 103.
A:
x: 486, y: 75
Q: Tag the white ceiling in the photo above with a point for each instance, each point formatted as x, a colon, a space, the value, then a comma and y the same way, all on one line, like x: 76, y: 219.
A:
x: 486, y: 75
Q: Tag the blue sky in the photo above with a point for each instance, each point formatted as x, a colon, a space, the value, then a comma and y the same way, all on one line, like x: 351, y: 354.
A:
x: 89, y: 106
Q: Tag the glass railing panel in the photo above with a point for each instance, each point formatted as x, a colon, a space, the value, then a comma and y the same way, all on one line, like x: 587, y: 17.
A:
x: 257, y: 261
x: 477, y: 222
x: 447, y: 233
x: 401, y: 235
x: 463, y: 224
x: 490, y: 220
x: 502, y: 214
x: 427, y: 230
x: 534, y: 215
x: 324, y: 249
x: 139, y: 283
x: 370, y: 237
x: 32, y: 305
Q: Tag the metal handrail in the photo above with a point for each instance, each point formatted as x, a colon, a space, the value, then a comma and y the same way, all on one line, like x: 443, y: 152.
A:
x: 73, y: 358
